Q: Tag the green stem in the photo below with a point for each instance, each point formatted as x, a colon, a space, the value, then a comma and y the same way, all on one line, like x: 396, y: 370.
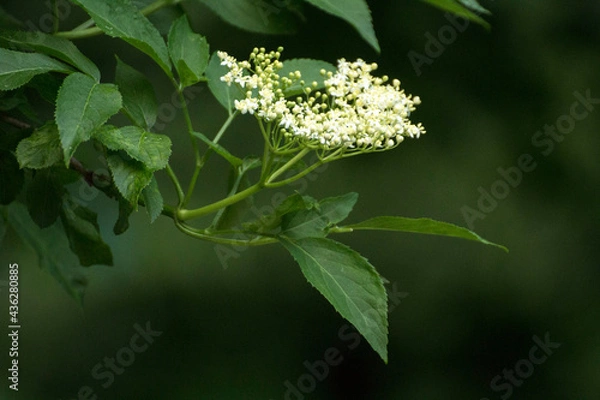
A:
x: 184, y: 214
x: 288, y: 164
x: 176, y: 183
x: 55, y: 17
x: 271, y: 185
x: 199, y: 234
x: 81, y: 31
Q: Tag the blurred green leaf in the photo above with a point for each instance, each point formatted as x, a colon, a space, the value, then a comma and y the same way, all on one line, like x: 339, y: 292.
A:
x: 130, y: 177
x: 459, y: 9
x: 420, y: 225
x: 17, y: 68
x: 474, y: 5
x: 42, y: 149
x: 139, y: 99
x: 83, y: 232
x: 53, y: 46
x: 152, y: 149
x: 163, y: 18
x: 254, y: 16
x: 310, y: 70
x: 356, y: 13
x: 121, y: 19
x: 7, y: 20
x: 52, y: 249
x: 82, y: 106
x: 189, y: 52
x: 153, y: 200
x: 226, y: 95
x: 348, y: 282
x: 44, y: 197
x: 11, y: 178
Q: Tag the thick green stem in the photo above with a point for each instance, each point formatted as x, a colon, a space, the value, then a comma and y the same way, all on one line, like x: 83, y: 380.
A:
x: 184, y: 214
x: 299, y: 175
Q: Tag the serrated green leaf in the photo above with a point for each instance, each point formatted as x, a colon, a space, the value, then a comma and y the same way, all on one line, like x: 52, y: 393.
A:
x: 130, y: 177
x: 139, y: 99
x: 189, y: 52
x: 348, y: 282
x: 53, y: 46
x: 303, y: 224
x: 43, y: 196
x: 220, y: 150
x: 337, y: 209
x: 254, y: 16
x: 420, y: 225
x: 153, y: 200
x: 52, y: 249
x: 83, y: 232
x: 310, y: 70
x: 17, y: 68
x: 82, y: 106
x: 11, y: 178
x: 121, y: 19
x: 459, y: 9
x: 356, y: 13
x: 40, y: 150
x: 226, y: 95
x: 152, y: 149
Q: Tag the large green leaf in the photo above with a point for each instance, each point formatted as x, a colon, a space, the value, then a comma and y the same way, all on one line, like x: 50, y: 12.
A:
x: 226, y: 95
x: 255, y: 16
x: 130, y: 177
x: 355, y: 12
x: 83, y: 232
x: 121, y: 19
x: 82, y: 106
x: 42, y: 149
x: 17, y: 68
x: 152, y: 149
x: 139, y: 99
x: 53, y: 46
x: 11, y: 177
x: 189, y: 52
x: 52, y: 249
x: 459, y: 9
x: 311, y: 72
x: 337, y: 209
x: 420, y: 225
x: 348, y: 282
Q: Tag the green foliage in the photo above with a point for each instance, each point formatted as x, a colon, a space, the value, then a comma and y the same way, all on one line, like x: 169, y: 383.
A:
x: 37, y: 157
x: 139, y: 99
x: 420, y: 225
x: 121, y: 19
x: 469, y: 9
x: 348, y: 282
x: 356, y: 13
x: 189, y: 52
x: 82, y: 106
x: 17, y: 68
x: 254, y: 16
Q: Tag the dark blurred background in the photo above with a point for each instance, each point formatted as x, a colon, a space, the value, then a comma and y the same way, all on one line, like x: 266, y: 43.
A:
x: 464, y: 315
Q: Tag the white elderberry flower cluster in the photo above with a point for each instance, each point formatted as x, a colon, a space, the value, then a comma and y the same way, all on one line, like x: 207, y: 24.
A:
x: 356, y: 111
